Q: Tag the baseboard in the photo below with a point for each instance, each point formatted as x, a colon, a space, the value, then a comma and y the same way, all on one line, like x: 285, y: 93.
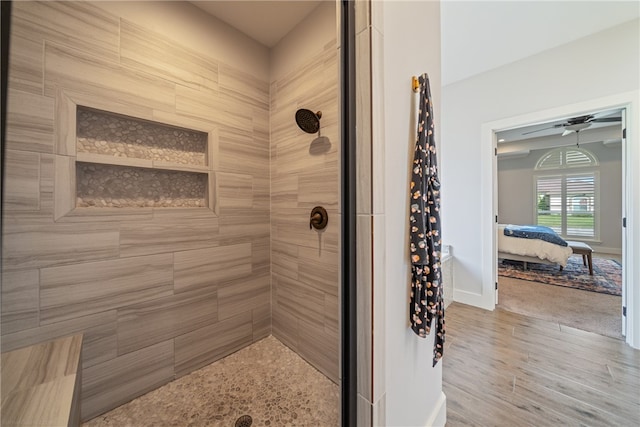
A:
x: 438, y: 417
x: 471, y: 298
x: 607, y: 251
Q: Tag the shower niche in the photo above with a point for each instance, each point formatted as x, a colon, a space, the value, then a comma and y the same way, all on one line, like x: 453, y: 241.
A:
x: 121, y: 164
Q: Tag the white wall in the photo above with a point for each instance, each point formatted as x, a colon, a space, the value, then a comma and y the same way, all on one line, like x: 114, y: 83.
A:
x: 597, y: 66
x: 204, y: 33
x: 516, y: 193
x: 411, y: 32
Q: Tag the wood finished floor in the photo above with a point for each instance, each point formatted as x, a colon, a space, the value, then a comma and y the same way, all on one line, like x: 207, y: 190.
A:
x: 505, y: 369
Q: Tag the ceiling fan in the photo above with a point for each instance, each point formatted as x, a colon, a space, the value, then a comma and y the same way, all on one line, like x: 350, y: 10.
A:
x: 576, y: 124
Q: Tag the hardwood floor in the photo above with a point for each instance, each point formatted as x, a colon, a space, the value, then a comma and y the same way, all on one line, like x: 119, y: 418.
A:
x: 505, y: 369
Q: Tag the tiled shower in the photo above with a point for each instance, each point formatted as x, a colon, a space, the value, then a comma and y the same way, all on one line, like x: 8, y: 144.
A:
x: 166, y: 263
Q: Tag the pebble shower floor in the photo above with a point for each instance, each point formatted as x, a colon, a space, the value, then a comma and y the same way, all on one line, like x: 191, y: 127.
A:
x: 265, y: 380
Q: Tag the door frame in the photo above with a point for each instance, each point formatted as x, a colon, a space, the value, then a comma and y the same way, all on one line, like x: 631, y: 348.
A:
x: 630, y: 101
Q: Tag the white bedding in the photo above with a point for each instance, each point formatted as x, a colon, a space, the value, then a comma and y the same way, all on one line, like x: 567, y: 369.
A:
x: 533, y: 247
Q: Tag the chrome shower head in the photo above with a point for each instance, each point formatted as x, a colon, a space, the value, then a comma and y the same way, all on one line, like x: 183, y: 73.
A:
x: 308, y: 121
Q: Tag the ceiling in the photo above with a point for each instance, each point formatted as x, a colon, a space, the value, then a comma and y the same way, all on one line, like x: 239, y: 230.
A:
x: 478, y: 36
x: 264, y: 21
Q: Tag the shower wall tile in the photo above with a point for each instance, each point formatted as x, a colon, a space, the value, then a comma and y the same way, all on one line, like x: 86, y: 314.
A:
x: 319, y: 348
x: 261, y: 256
x: 73, y: 291
x: 121, y: 379
x: 261, y: 321
x: 79, y: 71
x: 377, y: 121
x: 203, y: 268
x: 284, y: 324
x: 238, y: 151
x: 155, y: 54
x: 210, y: 343
x: 319, y: 268
x: 153, y: 321
x: 42, y: 245
x: 235, y: 192
x: 25, y: 57
x: 163, y: 236
x: 78, y: 25
x: 29, y: 122
x: 98, y: 345
x: 243, y: 295
x: 20, y: 295
x: 284, y: 259
x: 363, y: 124
x: 364, y: 272
x: 22, y: 178
x: 244, y: 87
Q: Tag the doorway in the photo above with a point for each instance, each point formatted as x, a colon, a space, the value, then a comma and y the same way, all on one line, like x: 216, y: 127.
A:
x: 489, y: 208
x: 564, y: 176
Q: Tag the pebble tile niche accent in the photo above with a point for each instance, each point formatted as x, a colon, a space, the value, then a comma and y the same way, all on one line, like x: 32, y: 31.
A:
x: 118, y: 136
x: 124, y: 187
x: 100, y: 132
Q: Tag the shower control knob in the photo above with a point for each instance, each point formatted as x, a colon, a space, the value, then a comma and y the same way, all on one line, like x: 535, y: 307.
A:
x: 319, y: 218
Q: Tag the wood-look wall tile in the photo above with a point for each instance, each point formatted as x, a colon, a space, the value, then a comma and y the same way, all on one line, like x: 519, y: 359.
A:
x: 377, y: 122
x: 158, y: 55
x: 163, y: 236
x: 245, y: 87
x: 65, y: 186
x: 364, y: 305
x: 245, y: 225
x: 235, y: 192
x: 155, y: 320
x: 239, y: 151
x: 291, y: 226
x: 47, y: 184
x: 78, y: 71
x: 22, y: 181
x: 206, y: 104
x: 298, y: 299
x: 99, y: 330
x: 363, y: 124
x: 261, y: 318
x: 206, y: 268
x: 80, y: 289
x: 364, y: 412
x: 25, y: 57
x: 80, y: 25
x: 378, y: 305
x: 36, y: 246
x: 319, y: 187
x: 20, y: 295
x: 261, y: 193
x: 243, y: 295
x: 319, y: 347
x: 331, y: 314
x: 119, y: 380
x: 284, y: 189
x: 319, y: 269
x: 284, y: 259
x: 29, y: 122
x: 261, y: 256
x: 206, y: 345
x: 284, y: 325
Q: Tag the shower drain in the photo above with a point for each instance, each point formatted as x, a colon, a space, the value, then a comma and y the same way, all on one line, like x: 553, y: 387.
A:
x: 244, y: 421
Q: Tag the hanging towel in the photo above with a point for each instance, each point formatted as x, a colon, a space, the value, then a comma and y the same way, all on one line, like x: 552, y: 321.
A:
x: 426, y: 279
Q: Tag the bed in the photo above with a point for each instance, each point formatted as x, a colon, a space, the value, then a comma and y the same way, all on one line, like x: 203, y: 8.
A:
x: 531, y: 250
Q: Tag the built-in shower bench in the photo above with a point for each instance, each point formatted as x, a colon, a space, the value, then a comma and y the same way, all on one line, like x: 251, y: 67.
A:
x: 41, y: 384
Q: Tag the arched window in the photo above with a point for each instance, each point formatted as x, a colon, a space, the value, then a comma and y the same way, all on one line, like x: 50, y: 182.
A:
x: 567, y: 200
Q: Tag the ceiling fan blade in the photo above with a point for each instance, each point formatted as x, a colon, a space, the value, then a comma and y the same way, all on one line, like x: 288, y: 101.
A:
x: 539, y: 130
x: 567, y: 132
x: 606, y: 119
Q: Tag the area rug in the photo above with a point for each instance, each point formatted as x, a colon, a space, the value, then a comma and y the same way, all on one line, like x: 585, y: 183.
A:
x: 606, y: 279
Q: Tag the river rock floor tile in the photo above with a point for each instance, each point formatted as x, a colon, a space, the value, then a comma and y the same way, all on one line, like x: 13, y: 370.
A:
x: 265, y: 380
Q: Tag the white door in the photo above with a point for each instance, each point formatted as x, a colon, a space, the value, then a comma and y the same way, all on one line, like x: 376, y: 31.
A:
x: 624, y: 215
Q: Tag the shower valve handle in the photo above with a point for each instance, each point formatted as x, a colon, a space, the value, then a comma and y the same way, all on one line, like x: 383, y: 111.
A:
x: 319, y: 218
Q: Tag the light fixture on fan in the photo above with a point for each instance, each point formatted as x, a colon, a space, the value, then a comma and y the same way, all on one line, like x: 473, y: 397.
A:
x: 577, y: 127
